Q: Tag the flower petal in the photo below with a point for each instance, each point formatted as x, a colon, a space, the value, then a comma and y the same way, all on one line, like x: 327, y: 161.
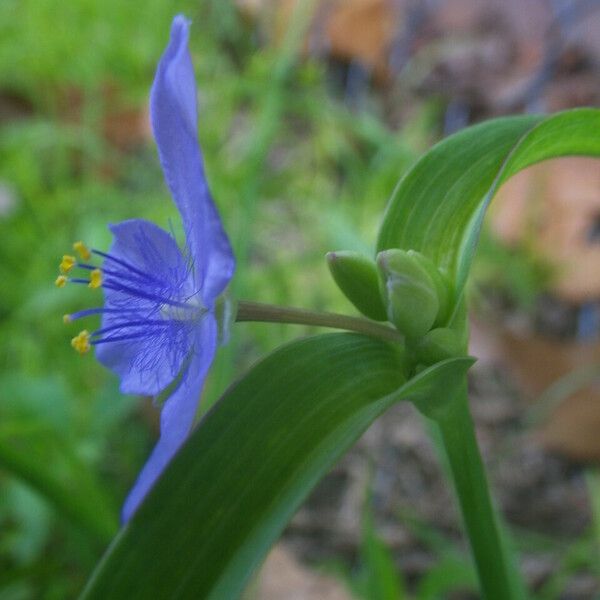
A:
x: 177, y: 415
x: 149, y: 248
x: 153, y: 355
x: 174, y: 116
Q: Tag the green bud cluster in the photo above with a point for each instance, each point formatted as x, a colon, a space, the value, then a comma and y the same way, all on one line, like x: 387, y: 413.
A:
x: 407, y: 289
x: 416, y: 296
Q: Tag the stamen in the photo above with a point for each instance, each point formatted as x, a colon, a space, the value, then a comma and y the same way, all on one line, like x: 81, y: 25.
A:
x: 82, y: 250
x: 133, y: 278
x: 99, y: 311
x: 118, y: 338
x: 146, y: 323
x: 67, y: 263
x: 67, y: 319
x: 118, y: 287
x: 125, y: 264
x: 81, y: 342
x: 95, y: 279
x: 60, y: 281
x: 112, y: 284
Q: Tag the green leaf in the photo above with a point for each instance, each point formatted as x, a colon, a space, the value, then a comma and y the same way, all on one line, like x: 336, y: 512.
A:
x: 438, y: 206
x: 450, y: 574
x: 255, y: 456
x: 381, y: 579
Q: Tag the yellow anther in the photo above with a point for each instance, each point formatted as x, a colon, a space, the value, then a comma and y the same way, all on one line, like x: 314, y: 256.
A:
x: 81, y: 342
x: 67, y: 263
x: 95, y: 279
x: 60, y: 281
x: 82, y: 250
x: 67, y: 319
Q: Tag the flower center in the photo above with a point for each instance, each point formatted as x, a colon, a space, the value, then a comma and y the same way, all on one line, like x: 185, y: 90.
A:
x: 193, y: 311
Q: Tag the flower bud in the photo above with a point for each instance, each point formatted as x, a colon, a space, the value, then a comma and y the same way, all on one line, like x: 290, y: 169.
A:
x: 439, y: 344
x: 412, y: 297
x: 356, y: 275
x: 442, y: 286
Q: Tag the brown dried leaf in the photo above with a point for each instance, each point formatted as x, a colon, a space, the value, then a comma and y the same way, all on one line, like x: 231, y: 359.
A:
x: 570, y: 422
x: 554, y: 208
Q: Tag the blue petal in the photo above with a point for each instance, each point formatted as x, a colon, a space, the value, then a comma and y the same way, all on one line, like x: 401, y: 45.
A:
x: 148, y: 363
x: 174, y: 119
x: 177, y: 415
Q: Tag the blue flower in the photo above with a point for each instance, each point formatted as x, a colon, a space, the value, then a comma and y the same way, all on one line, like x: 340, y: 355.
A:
x: 159, y: 331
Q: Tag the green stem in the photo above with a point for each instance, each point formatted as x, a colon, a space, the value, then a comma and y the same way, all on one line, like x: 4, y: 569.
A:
x: 499, y: 579
x: 268, y: 313
x: 593, y: 485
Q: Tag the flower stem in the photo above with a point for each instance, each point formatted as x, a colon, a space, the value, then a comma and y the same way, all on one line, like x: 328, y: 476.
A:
x: 498, y: 575
x: 268, y: 313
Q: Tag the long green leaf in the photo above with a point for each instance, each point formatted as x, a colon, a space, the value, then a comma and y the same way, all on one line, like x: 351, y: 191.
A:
x: 438, y: 206
x: 230, y: 491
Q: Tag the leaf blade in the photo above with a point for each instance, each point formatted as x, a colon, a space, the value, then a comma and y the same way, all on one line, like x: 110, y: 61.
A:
x: 251, y: 462
x: 438, y: 206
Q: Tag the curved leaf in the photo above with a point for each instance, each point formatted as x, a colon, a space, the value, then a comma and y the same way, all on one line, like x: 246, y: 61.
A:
x: 254, y: 457
x: 438, y: 206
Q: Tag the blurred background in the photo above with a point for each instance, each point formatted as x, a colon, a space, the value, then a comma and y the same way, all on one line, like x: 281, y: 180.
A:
x: 310, y: 112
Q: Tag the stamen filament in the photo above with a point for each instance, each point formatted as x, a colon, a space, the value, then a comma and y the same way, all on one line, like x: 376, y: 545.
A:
x: 125, y: 264
x: 135, y: 278
x: 117, y: 287
x: 118, y: 338
x: 98, y: 311
x: 144, y: 323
